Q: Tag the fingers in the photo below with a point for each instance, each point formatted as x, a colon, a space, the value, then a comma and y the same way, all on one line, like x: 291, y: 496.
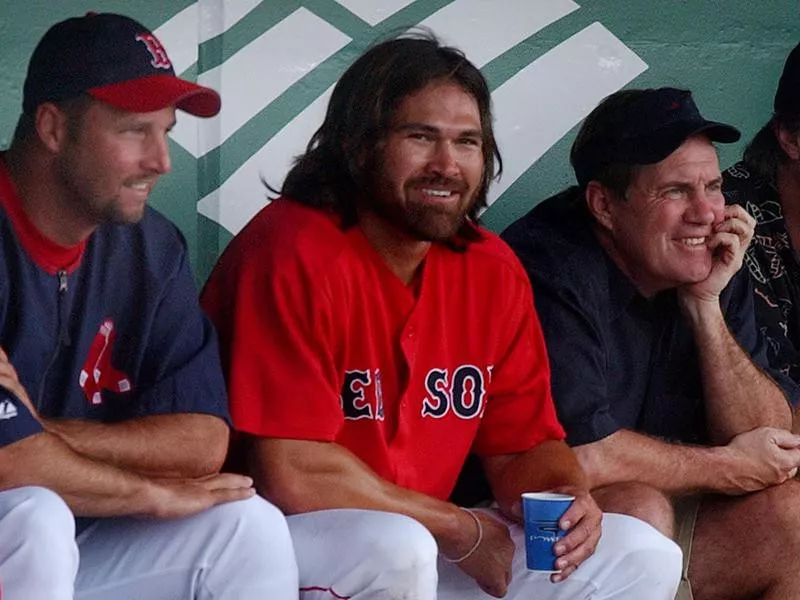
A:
x: 574, y: 548
x: 581, y: 540
x: 226, y: 481
x: 492, y: 590
x: 223, y: 495
x: 490, y: 564
x: 738, y: 222
x: 7, y: 370
x: 785, y: 439
x: 730, y: 242
x: 738, y: 213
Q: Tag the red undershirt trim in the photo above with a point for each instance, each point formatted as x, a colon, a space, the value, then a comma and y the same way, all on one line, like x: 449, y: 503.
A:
x: 47, y: 254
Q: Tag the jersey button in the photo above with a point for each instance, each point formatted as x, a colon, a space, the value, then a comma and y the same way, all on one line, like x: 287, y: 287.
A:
x: 410, y: 332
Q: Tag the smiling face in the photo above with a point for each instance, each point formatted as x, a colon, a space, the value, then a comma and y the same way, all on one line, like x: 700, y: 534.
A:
x: 110, y: 160
x: 659, y: 233
x: 429, y: 167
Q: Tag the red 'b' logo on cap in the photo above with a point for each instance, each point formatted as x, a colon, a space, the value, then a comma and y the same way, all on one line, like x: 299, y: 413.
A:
x: 156, y: 50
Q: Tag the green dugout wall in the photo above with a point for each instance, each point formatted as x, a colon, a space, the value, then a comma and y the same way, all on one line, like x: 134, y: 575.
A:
x: 548, y: 63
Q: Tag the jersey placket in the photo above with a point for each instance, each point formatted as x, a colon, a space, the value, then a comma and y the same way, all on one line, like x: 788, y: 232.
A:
x: 62, y: 333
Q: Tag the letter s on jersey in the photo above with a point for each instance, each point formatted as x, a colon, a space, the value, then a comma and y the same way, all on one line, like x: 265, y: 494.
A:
x: 464, y: 394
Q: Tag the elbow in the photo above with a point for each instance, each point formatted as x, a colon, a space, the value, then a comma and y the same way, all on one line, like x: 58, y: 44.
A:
x: 289, y: 490
x: 211, y: 445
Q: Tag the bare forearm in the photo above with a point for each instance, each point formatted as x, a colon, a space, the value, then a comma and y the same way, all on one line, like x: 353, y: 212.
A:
x: 175, y: 445
x: 90, y: 488
x: 549, y: 465
x: 303, y: 476
x: 739, y: 395
x: 674, y: 469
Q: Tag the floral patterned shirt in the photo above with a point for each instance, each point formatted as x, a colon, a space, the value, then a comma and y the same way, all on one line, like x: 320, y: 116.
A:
x: 774, y: 267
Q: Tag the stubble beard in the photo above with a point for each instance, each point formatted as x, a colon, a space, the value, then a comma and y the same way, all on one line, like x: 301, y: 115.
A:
x: 422, y: 221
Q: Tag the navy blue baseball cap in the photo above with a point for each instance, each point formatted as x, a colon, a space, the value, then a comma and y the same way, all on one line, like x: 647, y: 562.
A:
x: 643, y: 128
x: 114, y: 59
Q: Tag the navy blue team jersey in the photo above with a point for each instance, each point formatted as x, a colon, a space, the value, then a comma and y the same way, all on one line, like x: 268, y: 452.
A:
x: 107, y: 330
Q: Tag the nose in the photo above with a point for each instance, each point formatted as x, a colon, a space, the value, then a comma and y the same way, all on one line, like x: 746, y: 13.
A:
x: 706, y: 208
x: 157, y: 154
x: 443, y: 160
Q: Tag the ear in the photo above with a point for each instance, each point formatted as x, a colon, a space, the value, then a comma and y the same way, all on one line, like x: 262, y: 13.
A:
x: 599, y: 201
x: 51, y: 126
x: 790, y: 142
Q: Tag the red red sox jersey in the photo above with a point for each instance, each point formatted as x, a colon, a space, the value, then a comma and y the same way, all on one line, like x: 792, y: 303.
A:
x: 320, y: 340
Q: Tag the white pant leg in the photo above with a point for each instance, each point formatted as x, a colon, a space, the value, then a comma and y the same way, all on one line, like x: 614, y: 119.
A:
x: 38, y: 555
x: 633, y: 561
x: 234, y: 551
x: 363, y: 555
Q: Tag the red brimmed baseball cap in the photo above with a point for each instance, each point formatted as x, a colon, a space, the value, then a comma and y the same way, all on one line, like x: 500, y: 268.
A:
x: 114, y: 59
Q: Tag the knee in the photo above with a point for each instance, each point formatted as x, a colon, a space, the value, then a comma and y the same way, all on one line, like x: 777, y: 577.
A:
x: 638, y: 500
x: 644, y: 550
x: 41, y: 517
x: 402, y: 546
x: 256, y: 519
x: 779, y: 510
x: 40, y: 528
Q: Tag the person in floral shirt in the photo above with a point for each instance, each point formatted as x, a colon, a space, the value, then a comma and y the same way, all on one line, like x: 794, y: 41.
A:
x: 767, y: 183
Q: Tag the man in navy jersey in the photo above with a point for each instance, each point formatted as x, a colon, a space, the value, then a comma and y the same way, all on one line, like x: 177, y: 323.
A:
x: 112, y: 403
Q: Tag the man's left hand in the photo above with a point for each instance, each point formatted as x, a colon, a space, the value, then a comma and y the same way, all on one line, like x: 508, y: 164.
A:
x: 727, y: 244
x: 583, y: 524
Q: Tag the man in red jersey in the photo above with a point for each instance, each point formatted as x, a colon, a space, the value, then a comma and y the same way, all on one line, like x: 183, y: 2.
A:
x: 373, y: 335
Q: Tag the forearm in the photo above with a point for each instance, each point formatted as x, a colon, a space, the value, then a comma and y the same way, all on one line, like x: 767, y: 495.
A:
x: 174, y: 445
x: 549, y: 465
x: 90, y: 488
x: 674, y: 469
x: 739, y: 395
x: 304, y: 476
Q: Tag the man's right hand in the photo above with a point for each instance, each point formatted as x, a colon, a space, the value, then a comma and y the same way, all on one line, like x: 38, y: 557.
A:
x: 175, y: 498
x: 490, y: 564
x: 762, y: 457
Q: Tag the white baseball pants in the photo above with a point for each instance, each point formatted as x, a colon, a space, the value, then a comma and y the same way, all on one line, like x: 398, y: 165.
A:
x: 234, y: 551
x: 365, y: 555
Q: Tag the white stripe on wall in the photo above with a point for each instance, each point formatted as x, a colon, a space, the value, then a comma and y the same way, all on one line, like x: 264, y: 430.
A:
x: 543, y: 101
x: 374, y: 11
x: 217, y: 16
x: 198, y: 23
x: 241, y: 196
x: 179, y: 36
x: 260, y: 72
x: 485, y: 29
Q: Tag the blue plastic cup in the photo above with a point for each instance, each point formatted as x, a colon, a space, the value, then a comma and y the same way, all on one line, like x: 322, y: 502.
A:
x: 541, y: 512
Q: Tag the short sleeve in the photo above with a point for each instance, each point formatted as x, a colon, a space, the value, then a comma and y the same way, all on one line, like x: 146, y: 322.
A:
x: 520, y: 412
x: 16, y: 421
x: 273, y: 318
x: 574, y: 341
x: 183, y: 369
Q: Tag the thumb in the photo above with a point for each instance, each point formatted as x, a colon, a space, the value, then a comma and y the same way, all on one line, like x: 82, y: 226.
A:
x: 786, y: 439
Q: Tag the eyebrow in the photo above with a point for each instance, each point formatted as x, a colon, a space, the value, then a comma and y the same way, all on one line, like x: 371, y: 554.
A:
x: 477, y: 133
x: 687, y: 184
